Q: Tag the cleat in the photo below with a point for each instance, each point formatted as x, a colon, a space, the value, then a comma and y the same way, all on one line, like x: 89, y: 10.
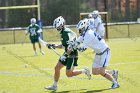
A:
x: 52, y: 87
x: 115, y: 75
x: 115, y: 85
x: 87, y: 72
x: 42, y: 52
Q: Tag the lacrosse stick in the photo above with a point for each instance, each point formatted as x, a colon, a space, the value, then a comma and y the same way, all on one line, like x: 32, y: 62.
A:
x: 23, y: 40
x: 46, y: 43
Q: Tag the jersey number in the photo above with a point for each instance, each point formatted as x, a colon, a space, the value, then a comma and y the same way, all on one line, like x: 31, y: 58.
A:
x: 33, y: 32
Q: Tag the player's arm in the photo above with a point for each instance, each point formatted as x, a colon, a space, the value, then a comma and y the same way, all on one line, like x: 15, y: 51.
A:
x: 58, y: 46
x: 99, y: 23
x: 97, y: 29
x: 85, y: 43
x: 39, y: 29
x: 54, y: 46
x: 27, y: 31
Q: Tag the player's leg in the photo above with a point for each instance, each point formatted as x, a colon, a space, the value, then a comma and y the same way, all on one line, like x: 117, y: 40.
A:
x: 109, y: 77
x: 71, y: 72
x: 104, y: 60
x: 101, y: 71
x: 58, y: 67
x: 114, y: 73
x: 99, y: 65
x: 33, y: 43
x: 96, y: 65
x: 106, y: 75
x: 71, y: 63
x: 41, y: 51
x: 34, y: 48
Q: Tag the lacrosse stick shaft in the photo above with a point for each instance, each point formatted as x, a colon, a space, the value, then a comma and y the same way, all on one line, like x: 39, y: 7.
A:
x: 23, y: 41
x: 45, y: 43
x: 56, y: 52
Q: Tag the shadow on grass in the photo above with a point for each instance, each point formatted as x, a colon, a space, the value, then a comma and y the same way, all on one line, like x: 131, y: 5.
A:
x: 92, y: 91
x: 76, y: 91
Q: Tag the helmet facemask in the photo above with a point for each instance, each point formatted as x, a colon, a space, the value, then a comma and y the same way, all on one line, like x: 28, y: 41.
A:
x: 82, y: 26
x: 60, y: 28
x: 81, y: 31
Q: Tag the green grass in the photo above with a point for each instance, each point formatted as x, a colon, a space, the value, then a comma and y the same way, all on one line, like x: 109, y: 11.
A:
x: 16, y: 78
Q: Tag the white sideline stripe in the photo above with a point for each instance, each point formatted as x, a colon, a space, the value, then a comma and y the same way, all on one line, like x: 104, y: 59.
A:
x: 38, y: 75
x: 124, y: 63
x: 33, y: 70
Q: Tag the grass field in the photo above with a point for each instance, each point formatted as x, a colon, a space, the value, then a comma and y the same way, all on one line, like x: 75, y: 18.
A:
x: 22, y: 72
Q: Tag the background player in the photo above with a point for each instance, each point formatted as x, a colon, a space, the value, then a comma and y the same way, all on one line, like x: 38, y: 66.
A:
x: 91, y: 22
x: 69, y: 57
x: 99, y: 27
x: 34, y: 31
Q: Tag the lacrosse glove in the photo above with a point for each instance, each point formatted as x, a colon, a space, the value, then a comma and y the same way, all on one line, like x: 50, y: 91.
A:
x: 50, y: 46
x: 63, y: 57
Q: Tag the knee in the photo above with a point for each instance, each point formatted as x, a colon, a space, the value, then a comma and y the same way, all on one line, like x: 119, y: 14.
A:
x: 95, y: 72
x: 69, y: 74
x: 103, y: 74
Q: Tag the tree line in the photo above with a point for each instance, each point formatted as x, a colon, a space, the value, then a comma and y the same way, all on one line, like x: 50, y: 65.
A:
x: 118, y: 10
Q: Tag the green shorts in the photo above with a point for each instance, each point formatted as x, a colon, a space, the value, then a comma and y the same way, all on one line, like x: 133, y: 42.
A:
x: 34, y: 40
x: 69, y: 62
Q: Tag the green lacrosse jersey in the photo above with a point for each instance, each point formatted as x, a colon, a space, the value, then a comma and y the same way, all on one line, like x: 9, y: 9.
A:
x: 66, y: 36
x: 32, y: 29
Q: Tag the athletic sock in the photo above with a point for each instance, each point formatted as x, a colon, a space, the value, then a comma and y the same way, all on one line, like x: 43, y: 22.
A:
x: 55, y: 83
x: 35, y: 52
x: 113, y: 81
x: 110, y: 71
x: 83, y: 71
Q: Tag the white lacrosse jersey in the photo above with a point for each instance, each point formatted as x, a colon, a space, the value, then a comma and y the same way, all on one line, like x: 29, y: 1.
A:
x: 97, y: 21
x: 91, y: 23
x: 93, y: 40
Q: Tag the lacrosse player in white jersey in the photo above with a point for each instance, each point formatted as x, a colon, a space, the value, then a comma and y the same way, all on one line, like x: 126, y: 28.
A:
x: 91, y: 21
x: 99, y: 27
x: 91, y: 39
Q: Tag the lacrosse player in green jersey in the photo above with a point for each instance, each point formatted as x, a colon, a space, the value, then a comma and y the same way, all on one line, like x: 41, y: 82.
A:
x: 69, y: 57
x: 34, y: 31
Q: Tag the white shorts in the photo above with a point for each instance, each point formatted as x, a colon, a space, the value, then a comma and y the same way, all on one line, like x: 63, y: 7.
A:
x: 101, y: 33
x: 101, y: 60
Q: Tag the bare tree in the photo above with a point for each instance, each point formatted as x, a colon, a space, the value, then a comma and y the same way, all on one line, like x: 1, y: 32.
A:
x: 127, y: 10
x: 96, y: 4
x: 138, y: 9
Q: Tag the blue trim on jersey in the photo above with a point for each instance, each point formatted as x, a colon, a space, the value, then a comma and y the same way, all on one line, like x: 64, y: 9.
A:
x: 105, y: 60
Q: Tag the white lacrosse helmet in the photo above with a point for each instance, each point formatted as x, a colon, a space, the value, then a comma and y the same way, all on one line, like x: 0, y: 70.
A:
x: 59, y: 23
x: 33, y: 21
x: 83, y: 25
x: 95, y: 13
